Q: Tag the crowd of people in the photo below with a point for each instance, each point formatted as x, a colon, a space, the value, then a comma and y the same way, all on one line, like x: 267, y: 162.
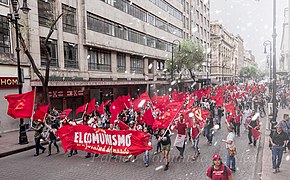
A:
x: 240, y: 109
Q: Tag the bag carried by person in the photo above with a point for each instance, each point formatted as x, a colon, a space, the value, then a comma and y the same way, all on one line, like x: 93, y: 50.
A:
x: 232, y: 151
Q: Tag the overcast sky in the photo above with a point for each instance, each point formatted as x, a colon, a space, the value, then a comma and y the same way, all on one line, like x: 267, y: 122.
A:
x: 252, y: 20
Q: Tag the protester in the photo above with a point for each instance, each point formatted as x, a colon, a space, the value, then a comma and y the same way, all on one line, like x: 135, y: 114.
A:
x: 52, y: 138
x: 278, y: 140
x: 164, y: 138
x: 146, y: 153
x: 218, y: 171
x: 253, y: 123
x: 195, y: 129
x: 246, y: 114
x: 182, y: 134
x: 209, y: 129
x: 38, y: 136
x: 285, y: 124
x: 231, y: 148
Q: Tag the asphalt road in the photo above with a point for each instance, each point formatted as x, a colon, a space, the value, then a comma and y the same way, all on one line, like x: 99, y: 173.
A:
x: 58, y: 166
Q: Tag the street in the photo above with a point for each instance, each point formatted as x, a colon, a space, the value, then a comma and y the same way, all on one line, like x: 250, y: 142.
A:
x: 58, y: 166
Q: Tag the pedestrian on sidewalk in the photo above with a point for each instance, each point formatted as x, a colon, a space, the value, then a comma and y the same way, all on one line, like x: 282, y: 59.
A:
x: 231, y: 148
x: 218, y: 170
x: 285, y: 123
x: 38, y: 135
x: 278, y: 140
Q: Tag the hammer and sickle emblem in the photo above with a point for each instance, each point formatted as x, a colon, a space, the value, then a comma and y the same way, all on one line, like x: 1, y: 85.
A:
x: 198, y: 114
x: 20, y: 104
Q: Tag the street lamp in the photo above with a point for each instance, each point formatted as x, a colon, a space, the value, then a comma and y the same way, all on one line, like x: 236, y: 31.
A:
x: 265, y: 44
x: 14, y: 19
x: 174, y: 44
x: 274, y: 35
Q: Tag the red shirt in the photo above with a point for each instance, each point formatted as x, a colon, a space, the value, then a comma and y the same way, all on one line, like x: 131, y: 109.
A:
x: 217, y: 174
x: 181, y: 128
x: 194, y: 132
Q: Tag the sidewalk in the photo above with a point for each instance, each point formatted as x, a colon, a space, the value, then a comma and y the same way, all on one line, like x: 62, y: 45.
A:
x: 267, y: 171
x: 9, y: 143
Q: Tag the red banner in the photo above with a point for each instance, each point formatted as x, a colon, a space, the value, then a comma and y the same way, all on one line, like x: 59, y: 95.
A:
x: 103, y: 141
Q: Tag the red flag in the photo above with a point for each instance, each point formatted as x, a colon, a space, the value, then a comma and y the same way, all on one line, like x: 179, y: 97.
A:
x: 100, y: 109
x: 148, y: 117
x: 116, y: 107
x: 198, y: 94
x: 65, y: 113
x: 81, y: 109
x: 256, y: 134
x: 164, y: 119
x: 107, y: 102
x: 127, y: 100
x: 91, y: 106
x: 141, y: 101
x: 206, y: 92
x: 230, y: 108
x: 20, y: 105
x: 205, y: 113
x: 122, y: 125
x: 40, y: 112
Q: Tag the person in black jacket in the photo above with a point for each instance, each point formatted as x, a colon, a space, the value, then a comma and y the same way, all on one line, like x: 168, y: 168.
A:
x: 165, y: 141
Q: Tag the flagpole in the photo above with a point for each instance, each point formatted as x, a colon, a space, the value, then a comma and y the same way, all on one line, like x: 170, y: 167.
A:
x: 84, y: 112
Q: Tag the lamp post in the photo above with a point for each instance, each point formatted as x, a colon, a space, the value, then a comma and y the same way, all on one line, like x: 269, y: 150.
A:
x: 265, y: 44
x: 173, y: 44
x: 274, y: 36
x: 14, y: 19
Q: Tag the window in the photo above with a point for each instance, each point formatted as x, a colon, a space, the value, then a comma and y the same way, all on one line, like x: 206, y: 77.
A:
x: 99, y: 60
x: 151, y: 41
x: 120, y: 32
x: 136, y: 64
x: 160, y: 65
x: 137, y: 12
x: 45, y: 12
x: 4, y: 1
x: 4, y: 35
x: 121, y: 62
x: 150, y: 66
x: 161, y: 24
x: 70, y: 55
x: 160, y: 45
x: 52, y: 50
x: 69, y: 19
x: 151, y: 19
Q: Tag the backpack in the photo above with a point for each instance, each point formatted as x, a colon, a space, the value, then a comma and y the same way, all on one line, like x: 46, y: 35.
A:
x: 224, y: 172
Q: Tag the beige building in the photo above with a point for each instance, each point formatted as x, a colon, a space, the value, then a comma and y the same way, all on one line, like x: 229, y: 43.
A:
x: 225, y: 53
x: 249, y: 59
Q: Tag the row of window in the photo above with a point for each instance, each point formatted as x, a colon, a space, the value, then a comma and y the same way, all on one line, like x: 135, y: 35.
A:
x: 98, y: 60
x: 144, y: 15
x: 101, y: 25
x: 168, y: 8
x: 4, y: 1
x: 46, y: 15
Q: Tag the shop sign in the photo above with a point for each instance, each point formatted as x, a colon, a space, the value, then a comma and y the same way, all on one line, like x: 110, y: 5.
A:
x: 8, y: 82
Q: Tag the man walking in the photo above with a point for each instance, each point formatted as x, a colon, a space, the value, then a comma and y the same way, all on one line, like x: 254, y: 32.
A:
x: 37, y: 136
x: 182, y: 134
x: 278, y: 140
x: 285, y: 123
x: 230, y: 146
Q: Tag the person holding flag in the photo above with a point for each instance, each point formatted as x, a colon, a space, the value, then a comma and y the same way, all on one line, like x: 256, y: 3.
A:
x: 165, y: 141
x: 181, y: 137
x: 253, y: 123
x: 195, y: 132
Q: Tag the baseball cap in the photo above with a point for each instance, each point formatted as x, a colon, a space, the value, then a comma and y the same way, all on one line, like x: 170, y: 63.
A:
x: 216, y: 156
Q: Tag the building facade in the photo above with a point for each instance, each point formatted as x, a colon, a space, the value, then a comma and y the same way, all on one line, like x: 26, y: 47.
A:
x: 249, y: 59
x: 100, y: 48
x: 225, y: 53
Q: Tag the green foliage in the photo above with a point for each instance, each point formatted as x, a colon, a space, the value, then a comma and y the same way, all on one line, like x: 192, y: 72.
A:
x: 251, y: 72
x: 189, y: 56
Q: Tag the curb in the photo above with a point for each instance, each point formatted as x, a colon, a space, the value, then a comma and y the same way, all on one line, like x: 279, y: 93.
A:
x: 8, y: 153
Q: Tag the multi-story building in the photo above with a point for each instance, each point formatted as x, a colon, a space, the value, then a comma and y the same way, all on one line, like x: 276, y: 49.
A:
x: 284, y: 63
x: 225, y: 53
x: 239, y: 55
x: 200, y: 31
x: 249, y: 59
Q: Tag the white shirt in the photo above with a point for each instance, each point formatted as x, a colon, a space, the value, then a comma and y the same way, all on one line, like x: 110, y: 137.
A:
x: 247, y: 113
x: 231, y: 137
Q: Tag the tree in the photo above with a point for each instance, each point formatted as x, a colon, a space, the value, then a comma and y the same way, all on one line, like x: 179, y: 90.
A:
x: 250, y: 72
x: 44, y: 79
x: 188, y: 57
